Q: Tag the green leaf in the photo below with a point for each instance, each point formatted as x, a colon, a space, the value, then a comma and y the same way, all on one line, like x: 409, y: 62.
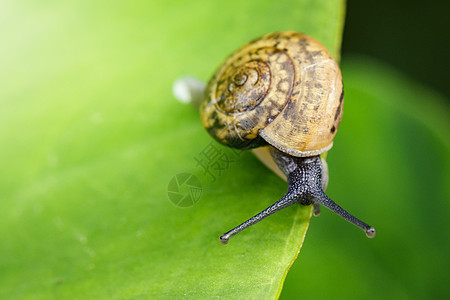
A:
x: 390, y: 166
x: 91, y: 137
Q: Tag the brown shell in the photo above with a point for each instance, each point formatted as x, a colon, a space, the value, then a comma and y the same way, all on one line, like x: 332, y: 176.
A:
x: 284, y: 89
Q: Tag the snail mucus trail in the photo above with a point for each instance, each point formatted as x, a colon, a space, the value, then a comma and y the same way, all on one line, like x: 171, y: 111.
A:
x: 283, y: 90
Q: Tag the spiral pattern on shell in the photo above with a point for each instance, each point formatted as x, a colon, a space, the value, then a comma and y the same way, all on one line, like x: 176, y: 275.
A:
x: 284, y: 89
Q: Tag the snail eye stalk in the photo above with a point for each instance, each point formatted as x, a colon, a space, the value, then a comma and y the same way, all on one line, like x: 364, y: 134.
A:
x: 287, y: 200
x: 304, y: 187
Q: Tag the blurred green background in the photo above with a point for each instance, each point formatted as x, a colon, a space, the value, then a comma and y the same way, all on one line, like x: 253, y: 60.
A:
x: 408, y: 35
x: 90, y: 136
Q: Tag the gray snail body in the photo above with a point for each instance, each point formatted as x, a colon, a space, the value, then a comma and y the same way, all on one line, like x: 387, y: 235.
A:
x: 281, y: 95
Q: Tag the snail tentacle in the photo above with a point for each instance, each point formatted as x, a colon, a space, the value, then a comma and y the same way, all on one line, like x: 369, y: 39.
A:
x: 304, y: 187
x: 305, y: 176
x: 285, y: 201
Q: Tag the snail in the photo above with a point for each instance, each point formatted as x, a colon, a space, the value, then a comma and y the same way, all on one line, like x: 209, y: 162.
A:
x: 281, y: 95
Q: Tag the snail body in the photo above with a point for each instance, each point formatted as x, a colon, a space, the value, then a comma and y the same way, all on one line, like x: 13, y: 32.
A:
x: 283, y: 90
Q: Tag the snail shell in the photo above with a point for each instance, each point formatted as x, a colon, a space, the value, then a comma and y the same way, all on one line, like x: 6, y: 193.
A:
x: 284, y: 89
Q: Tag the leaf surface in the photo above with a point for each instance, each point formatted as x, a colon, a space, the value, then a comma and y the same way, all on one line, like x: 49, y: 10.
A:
x: 91, y: 137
